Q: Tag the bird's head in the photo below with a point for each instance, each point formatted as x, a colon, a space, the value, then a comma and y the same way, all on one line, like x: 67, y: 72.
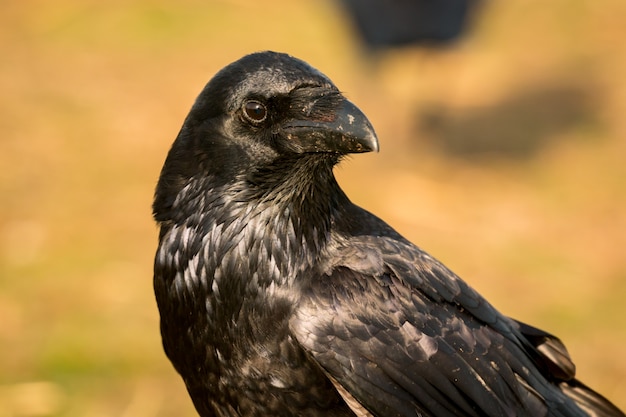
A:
x: 273, y: 100
x: 265, y: 107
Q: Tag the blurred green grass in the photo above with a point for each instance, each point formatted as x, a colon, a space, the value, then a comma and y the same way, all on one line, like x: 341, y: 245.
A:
x: 94, y: 93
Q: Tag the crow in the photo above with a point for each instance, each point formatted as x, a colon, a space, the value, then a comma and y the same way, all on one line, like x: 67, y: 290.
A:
x: 279, y: 297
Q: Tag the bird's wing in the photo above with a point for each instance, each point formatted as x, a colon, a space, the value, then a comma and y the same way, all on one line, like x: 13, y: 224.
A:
x: 404, y: 336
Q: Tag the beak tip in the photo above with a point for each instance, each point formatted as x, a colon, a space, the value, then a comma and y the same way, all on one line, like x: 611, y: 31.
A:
x: 375, y: 144
x: 369, y: 140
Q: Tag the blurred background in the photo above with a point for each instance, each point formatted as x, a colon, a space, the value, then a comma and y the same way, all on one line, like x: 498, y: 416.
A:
x: 502, y: 154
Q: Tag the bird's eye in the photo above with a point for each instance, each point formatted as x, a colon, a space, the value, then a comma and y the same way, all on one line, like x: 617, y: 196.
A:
x: 254, y: 111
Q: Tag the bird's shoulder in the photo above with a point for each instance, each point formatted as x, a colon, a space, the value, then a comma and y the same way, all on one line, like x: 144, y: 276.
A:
x: 370, y: 251
x: 402, y: 333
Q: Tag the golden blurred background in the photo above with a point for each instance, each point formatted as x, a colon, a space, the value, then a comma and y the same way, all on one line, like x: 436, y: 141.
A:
x: 503, y: 155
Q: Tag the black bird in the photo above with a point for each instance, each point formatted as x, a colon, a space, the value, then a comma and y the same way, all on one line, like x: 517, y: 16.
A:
x: 279, y: 297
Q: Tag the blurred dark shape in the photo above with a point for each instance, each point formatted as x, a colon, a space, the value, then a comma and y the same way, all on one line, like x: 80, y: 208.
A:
x: 517, y: 127
x: 388, y: 23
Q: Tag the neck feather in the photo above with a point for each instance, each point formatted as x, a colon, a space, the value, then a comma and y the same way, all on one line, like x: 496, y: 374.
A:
x: 271, y: 223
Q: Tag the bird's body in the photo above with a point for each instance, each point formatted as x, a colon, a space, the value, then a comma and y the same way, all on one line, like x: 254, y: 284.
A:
x: 280, y: 297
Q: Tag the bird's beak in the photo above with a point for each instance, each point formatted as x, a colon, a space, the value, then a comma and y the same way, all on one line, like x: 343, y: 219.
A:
x: 348, y: 131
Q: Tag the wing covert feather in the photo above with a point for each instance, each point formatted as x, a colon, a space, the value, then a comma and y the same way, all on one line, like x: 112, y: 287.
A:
x: 404, y: 335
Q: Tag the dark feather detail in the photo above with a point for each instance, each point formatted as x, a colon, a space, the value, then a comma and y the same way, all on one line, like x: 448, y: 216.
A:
x: 279, y: 297
x: 553, y: 352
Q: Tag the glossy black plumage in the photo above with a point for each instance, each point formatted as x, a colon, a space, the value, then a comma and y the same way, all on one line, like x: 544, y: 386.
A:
x: 280, y: 297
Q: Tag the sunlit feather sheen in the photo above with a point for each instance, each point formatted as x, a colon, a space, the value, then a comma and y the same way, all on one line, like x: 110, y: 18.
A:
x: 279, y: 297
